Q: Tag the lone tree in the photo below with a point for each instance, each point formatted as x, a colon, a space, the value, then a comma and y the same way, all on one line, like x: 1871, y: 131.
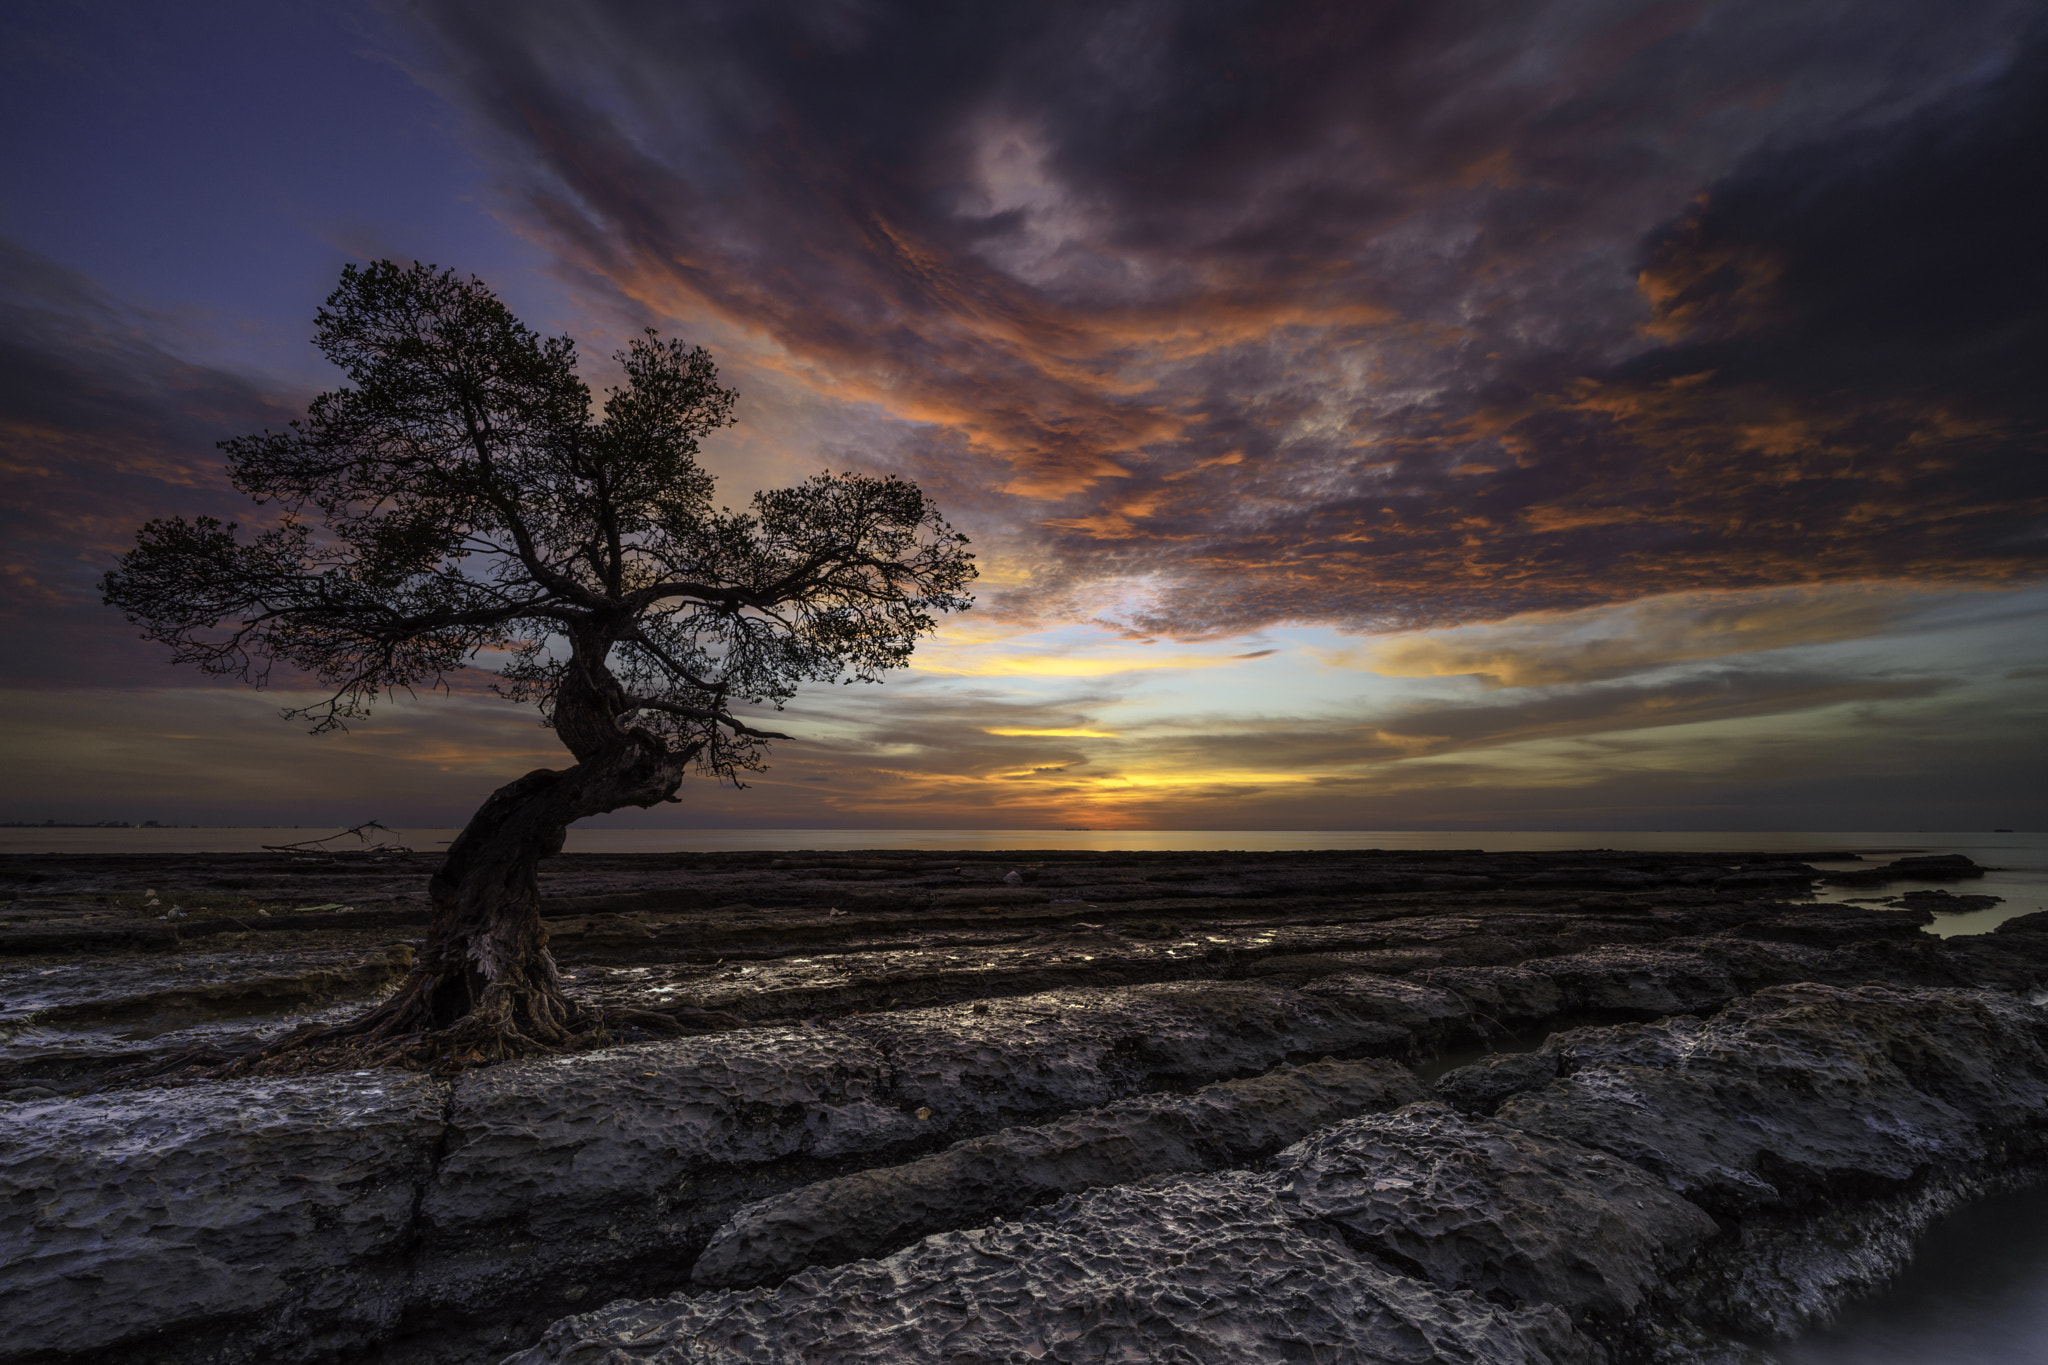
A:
x: 459, y: 498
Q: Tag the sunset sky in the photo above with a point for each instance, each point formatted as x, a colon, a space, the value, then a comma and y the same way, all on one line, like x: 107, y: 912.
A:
x: 1367, y: 415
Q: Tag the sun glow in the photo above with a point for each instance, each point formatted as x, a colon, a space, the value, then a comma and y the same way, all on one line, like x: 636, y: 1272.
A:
x: 1075, y: 733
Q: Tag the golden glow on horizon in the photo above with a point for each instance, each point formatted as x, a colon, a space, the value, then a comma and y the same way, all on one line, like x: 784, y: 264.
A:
x: 1064, y: 665
x: 1050, y: 734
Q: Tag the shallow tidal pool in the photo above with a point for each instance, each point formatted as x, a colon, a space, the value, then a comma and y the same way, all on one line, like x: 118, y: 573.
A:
x: 1977, y: 1294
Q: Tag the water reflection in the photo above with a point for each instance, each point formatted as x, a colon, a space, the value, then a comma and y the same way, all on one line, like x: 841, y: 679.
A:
x: 1977, y: 1294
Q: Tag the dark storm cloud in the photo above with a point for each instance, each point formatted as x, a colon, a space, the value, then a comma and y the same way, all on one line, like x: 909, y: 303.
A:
x: 102, y: 426
x: 1372, y: 314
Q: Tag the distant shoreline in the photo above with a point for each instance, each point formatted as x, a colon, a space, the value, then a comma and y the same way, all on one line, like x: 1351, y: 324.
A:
x: 1988, y: 848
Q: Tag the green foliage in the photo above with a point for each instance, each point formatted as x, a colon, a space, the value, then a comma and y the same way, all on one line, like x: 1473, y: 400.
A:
x: 459, y: 497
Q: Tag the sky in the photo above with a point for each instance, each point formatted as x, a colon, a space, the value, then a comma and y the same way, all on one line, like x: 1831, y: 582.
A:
x: 1366, y: 415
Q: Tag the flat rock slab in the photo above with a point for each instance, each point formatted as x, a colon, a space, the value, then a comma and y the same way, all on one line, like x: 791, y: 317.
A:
x: 1488, y: 1210
x: 1020, y: 1059
x: 1061, y: 1039
x: 610, y: 1167
x: 1206, y: 1270
x: 972, y: 1182
x: 1425, y: 1234
x: 253, y: 1215
x: 1798, y: 1088
x: 574, y: 1169
x: 191, y: 985
x: 561, y: 1170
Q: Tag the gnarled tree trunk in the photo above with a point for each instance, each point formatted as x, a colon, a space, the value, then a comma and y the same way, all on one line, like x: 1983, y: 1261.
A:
x: 486, y: 957
x: 484, y: 986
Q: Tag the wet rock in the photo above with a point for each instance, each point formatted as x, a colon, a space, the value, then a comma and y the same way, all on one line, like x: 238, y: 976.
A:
x: 1833, y: 1086
x: 970, y: 1183
x: 1778, y: 1276
x: 71, y: 1022
x: 255, y: 1216
x: 1495, y: 1212
x: 1947, y: 902
x: 1427, y: 1015
x: 1833, y: 924
x: 1942, y: 867
x: 1031, y: 1057
x: 192, y: 985
x: 575, y: 1166
x: 1646, y: 982
x: 569, y: 1182
x: 1206, y: 1268
x: 1483, y: 1086
x: 2013, y: 956
x: 1822, y: 1122
x: 606, y: 1164
x: 1506, y: 998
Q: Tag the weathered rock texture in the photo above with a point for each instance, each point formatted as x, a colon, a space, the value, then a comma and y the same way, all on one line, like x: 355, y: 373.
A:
x: 235, y: 1222
x: 1641, y: 1186
x: 1489, y: 1210
x: 1205, y: 1270
x: 870, y: 1212
x: 951, y: 1049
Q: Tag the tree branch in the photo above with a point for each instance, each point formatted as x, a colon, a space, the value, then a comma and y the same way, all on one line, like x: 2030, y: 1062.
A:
x: 737, y: 726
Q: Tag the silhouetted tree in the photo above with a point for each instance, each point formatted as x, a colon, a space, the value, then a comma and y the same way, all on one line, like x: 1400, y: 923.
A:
x: 459, y: 498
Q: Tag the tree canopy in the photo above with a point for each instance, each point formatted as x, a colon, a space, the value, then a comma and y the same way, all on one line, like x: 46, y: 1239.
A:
x: 461, y: 498
x: 460, y: 503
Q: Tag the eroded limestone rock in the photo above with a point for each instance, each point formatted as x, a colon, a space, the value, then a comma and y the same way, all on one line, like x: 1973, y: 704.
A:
x: 1797, y: 1088
x: 253, y: 1216
x: 1485, y: 1209
x: 875, y: 1211
x: 1203, y: 1270
x: 1823, y: 1125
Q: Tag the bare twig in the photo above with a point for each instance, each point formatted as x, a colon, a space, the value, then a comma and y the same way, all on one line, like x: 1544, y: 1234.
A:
x: 321, y: 845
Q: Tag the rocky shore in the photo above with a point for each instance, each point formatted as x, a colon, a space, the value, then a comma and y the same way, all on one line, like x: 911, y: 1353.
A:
x: 1210, y: 1107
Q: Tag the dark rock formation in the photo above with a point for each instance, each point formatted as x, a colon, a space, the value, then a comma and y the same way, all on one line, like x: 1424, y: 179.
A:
x: 923, y: 1047
x: 1947, y: 902
x: 1486, y: 1209
x: 1653, y: 1185
x: 1233, y: 1123
x: 1213, y: 1268
x: 245, y: 1220
x: 1941, y: 867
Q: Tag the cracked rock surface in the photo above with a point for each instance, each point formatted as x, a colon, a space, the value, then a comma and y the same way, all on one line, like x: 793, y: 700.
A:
x: 878, y: 1210
x: 1487, y: 1209
x: 1194, y: 1271
x: 1584, y: 1107
x: 1650, y: 1192
x: 284, y: 1207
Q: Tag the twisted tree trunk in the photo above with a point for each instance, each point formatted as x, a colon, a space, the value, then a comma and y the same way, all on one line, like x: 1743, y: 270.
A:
x: 486, y: 959
x: 484, y: 986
